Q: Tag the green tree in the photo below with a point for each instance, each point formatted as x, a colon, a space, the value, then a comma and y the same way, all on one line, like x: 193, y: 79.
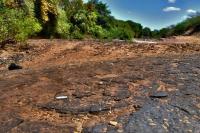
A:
x: 136, y: 27
x: 16, y: 25
x: 146, y: 33
x: 62, y: 26
x: 46, y: 12
x: 72, y: 7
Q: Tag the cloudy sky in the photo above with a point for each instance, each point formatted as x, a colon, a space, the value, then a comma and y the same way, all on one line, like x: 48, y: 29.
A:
x: 155, y: 14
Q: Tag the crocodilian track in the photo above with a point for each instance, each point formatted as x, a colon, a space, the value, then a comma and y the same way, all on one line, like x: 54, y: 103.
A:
x: 110, y: 87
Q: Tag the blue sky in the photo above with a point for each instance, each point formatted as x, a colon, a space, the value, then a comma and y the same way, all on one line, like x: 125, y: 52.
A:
x: 155, y: 14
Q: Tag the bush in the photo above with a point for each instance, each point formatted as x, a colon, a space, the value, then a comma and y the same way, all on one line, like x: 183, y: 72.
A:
x: 62, y: 27
x: 98, y: 32
x: 118, y: 33
x: 16, y: 25
x: 76, y: 33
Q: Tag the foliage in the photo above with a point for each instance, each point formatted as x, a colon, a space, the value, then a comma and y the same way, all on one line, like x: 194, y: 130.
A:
x: 46, y: 12
x: 85, y: 21
x: 136, y: 28
x: 188, y: 26
x: 76, y: 33
x: 64, y: 19
x: 16, y: 25
x: 43, y: 9
x: 62, y: 27
x: 71, y: 7
x: 146, y: 33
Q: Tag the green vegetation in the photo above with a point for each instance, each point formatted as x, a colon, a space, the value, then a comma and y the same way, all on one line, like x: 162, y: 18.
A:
x: 73, y: 19
x: 70, y: 19
x: 16, y: 24
x: 187, y: 27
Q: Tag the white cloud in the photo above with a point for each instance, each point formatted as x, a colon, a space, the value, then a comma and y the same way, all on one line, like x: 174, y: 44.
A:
x: 171, y: 9
x: 185, y: 17
x: 191, y: 11
x: 171, y: 1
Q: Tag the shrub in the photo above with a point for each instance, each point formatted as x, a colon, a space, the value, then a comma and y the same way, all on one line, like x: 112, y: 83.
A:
x: 62, y: 27
x: 76, y: 33
x: 16, y: 25
x: 118, y: 33
x: 98, y: 32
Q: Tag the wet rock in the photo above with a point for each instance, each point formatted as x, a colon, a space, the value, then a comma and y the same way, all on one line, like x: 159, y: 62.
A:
x: 156, y: 117
x: 14, y: 66
x: 159, y: 95
x: 190, y: 104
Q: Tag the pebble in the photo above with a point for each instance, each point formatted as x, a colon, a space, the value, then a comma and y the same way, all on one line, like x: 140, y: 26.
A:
x: 14, y: 66
x: 113, y: 123
x: 61, y: 97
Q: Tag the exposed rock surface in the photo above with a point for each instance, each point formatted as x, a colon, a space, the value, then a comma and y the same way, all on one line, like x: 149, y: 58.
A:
x: 109, y: 87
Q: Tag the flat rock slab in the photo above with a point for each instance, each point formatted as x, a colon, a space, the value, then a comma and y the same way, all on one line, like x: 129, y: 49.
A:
x: 76, y: 108
x: 162, y: 118
x: 117, y: 93
x: 153, y: 117
x: 83, y: 86
x: 159, y: 95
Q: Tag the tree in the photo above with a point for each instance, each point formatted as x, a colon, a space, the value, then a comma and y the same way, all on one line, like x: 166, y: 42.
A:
x: 46, y: 12
x: 146, y: 33
x: 85, y: 22
x: 136, y: 27
x: 100, y: 7
x: 16, y: 24
x: 65, y: 19
x: 71, y: 7
x: 62, y: 26
x: 102, y: 11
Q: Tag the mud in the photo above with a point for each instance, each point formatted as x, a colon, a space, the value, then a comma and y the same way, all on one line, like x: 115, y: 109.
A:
x: 142, y: 88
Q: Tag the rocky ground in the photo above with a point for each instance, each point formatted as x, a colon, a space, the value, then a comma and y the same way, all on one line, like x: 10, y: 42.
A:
x: 97, y: 87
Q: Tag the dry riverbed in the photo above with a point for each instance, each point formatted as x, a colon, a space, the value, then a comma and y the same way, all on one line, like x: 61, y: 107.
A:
x: 97, y: 87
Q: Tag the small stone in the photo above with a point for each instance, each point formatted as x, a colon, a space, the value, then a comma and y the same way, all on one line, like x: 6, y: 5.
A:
x: 14, y: 66
x: 100, y: 83
x: 61, y: 97
x: 159, y: 95
x: 120, y: 130
x: 152, y: 124
x: 113, y: 123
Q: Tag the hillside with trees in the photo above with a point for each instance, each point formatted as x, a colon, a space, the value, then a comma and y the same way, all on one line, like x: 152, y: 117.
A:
x: 189, y: 26
x: 23, y: 19
x: 74, y: 19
